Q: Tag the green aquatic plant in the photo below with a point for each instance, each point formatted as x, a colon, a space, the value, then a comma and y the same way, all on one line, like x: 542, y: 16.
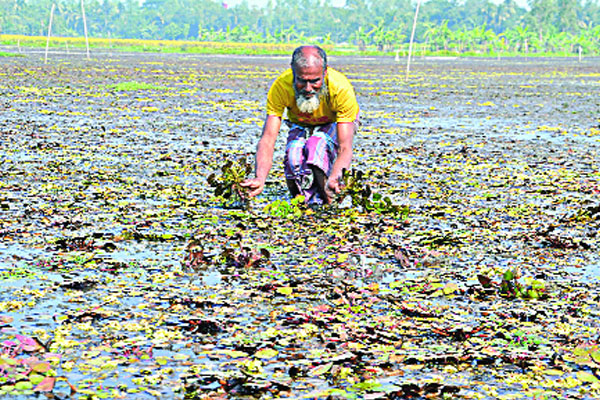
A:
x: 27, y: 366
x: 284, y: 209
x: 16, y: 273
x: 355, y: 186
x: 228, y: 186
x: 513, y: 286
x: 134, y: 86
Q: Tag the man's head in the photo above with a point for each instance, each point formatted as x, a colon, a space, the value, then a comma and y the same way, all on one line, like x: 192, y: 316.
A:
x: 309, y: 65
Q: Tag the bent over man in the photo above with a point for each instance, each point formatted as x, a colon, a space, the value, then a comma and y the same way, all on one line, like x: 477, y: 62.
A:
x: 322, y: 116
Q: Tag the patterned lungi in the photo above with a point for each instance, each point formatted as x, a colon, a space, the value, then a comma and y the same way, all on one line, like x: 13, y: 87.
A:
x: 315, y: 146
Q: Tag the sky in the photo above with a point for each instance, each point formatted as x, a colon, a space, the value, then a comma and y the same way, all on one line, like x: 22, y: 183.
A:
x: 338, y: 3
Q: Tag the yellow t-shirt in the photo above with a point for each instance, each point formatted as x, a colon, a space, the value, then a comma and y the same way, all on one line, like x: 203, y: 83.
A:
x: 339, y: 105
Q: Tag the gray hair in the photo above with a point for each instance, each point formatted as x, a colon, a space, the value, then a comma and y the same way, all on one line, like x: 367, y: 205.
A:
x: 299, y: 59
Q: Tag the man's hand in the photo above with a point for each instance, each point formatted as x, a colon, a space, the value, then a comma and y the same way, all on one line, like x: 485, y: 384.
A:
x: 255, y: 186
x: 264, y: 156
x: 333, y: 187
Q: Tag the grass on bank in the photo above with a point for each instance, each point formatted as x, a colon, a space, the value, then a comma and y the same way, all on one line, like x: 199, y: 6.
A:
x: 154, y: 46
x: 8, y: 54
x: 197, y: 47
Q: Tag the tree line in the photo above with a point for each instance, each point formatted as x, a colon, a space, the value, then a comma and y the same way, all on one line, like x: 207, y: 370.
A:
x: 444, y: 25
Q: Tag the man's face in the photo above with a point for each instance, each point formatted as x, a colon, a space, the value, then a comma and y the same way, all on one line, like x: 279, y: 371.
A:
x: 308, y: 85
x: 308, y: 80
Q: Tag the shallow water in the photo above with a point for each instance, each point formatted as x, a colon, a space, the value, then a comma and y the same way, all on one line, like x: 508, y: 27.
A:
x: 488, y: 155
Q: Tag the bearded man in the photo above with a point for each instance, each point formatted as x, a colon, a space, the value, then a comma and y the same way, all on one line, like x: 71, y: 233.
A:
x: 322, y: 116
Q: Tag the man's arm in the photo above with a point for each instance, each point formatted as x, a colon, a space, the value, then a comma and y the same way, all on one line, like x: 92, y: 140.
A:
x: 345, y: 134
x: 264, y: 155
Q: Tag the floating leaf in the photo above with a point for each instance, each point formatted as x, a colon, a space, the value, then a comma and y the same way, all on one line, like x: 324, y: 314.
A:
x: 485, y: 281
x: 46, y: 385
x: 40, y: 367
x: 285, y: 290
x: 266, y: 353
x: 450, y: 288
x: 24, y: 385
x: 586, y: 377
x: 321, y: 369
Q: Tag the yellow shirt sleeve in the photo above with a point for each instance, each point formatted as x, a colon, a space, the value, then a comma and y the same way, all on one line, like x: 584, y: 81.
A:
x: 342, y: 97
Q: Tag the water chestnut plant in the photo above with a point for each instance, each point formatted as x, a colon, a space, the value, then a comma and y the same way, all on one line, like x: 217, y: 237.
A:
x: 228, y: 186
x: 355, y: 186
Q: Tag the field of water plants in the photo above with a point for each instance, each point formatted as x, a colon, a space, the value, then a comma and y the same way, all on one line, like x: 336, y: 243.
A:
x: 122, y: 275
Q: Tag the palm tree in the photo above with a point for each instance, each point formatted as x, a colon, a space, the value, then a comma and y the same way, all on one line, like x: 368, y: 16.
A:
x: 440, y: 35
x: 430, y: 31
x: 519, y: 37
x: 381, y: 38
x: 361, y: 38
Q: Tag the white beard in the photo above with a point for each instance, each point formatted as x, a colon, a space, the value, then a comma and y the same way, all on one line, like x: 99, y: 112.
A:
x: 308, y: 105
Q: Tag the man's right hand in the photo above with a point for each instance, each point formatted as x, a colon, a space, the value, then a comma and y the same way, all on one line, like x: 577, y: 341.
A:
x: 264, y: 156
x: 333, y: 187
x: 255, y: 186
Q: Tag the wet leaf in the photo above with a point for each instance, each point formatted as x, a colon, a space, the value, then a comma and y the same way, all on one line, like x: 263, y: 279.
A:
x: 285, y: 290
x: 321, y: 369
x: 46, y: 385
x: 586, y: 377
x: 266, y: 353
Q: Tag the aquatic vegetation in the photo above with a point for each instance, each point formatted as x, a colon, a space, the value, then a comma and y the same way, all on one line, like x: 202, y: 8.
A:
x: 127, y: 277
x: 227, y: 184
x: 355, y: 186
x: 294, y: 208
x: 133, y: 85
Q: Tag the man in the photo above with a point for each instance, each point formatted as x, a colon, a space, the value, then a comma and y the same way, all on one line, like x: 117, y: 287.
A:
x: 322, y: 116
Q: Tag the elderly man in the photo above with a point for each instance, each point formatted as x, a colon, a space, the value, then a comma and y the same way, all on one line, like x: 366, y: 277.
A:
x: 322, y: 116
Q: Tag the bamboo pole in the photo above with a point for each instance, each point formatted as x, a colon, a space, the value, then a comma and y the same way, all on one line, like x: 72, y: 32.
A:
x: 87, y: 44
x: 49, y: 31
x: 412, y: 38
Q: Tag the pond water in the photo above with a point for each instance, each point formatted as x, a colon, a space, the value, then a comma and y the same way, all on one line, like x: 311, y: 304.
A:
x: 124, y: 271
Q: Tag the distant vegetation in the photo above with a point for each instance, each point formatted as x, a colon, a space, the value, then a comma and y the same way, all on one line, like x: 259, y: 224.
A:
x: 445, y: 26
x: 5, y: 54
x: 134, y: 85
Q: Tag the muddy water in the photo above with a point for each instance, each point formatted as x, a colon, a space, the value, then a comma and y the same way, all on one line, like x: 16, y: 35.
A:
x: 103, y: 188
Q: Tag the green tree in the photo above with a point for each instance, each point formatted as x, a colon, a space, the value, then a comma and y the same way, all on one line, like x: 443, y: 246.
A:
x: 507, y: 14
x: 439, y: 35
x: 461, y: 25
x: 567, y: 19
